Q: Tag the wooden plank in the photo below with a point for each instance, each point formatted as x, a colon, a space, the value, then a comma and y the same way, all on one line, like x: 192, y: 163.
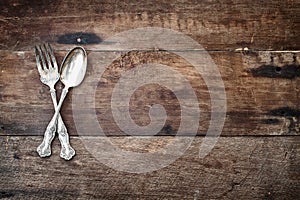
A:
x: 226, y: 25
x: 238, y: 167
x: 255, y: 47
x: 260, y: 88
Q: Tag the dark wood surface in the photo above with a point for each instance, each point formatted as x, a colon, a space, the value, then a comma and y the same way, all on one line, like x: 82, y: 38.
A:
x: 260, y: 100
x: 237, y: 168
x: 214, y: 24
x: 255, y: 46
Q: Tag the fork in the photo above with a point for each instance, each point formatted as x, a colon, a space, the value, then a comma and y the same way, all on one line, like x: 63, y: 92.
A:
x: 49, y: 75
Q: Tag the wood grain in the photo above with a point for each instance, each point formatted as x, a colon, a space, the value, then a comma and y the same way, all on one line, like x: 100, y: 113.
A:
x: 257, y: 103
x: 237, y: 168
x: 255, y: 46
x: 226, y: 25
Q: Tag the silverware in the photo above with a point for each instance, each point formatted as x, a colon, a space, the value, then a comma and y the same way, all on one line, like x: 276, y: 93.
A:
x: 72, y: 74
x: 49, y: 76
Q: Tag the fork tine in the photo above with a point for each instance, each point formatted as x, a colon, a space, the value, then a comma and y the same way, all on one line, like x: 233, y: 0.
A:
x: 50, y: 51
x: 38, y: 62
x: 44, y: 48
x: 42, y: 58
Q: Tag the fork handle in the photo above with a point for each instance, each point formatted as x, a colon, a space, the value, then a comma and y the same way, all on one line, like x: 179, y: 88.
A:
x: 53, y: 122
x: 67, y: 152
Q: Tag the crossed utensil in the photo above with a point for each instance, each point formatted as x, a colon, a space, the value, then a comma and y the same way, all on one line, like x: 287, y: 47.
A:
x: 72, y: 72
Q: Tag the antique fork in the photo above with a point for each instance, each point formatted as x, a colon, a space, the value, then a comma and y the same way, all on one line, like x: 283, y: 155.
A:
x: 49, y: 75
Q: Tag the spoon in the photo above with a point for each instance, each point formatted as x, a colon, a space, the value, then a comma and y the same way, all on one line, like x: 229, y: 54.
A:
x: 72, y: 74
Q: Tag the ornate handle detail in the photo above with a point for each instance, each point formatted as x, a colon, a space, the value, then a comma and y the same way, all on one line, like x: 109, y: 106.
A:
x: 67, y: 152
x: 44, y: 149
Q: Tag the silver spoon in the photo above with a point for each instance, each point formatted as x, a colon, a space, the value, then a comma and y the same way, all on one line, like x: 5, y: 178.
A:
x: 72, y: 74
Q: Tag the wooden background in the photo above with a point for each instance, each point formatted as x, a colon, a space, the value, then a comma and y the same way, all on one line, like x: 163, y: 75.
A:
x: 256, y: 48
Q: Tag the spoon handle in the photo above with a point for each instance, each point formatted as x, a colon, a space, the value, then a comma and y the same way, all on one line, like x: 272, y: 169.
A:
x: 67, y: 152
x: 62, y: 98
x: 44, y: 149
x: 51, y: 128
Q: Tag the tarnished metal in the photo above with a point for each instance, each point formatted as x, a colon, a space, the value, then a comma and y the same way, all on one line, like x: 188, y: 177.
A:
x: 72, y: 74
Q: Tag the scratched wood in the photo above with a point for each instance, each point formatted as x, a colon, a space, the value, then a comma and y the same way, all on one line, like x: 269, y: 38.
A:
x: 255, y: 47
x: 260, y: 85
x: 226, y: 25
x: 238, y: 167
x: 260, y: 90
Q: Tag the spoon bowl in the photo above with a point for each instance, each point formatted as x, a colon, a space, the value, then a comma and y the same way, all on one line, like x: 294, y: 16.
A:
x: 74, y: 67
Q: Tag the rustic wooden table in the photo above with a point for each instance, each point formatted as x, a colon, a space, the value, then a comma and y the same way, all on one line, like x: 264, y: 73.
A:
x: 255, y: 46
